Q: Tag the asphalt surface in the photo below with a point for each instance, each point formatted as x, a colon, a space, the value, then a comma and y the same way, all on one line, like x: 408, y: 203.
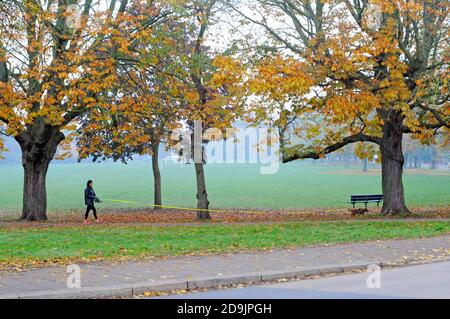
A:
x: 420, y: 281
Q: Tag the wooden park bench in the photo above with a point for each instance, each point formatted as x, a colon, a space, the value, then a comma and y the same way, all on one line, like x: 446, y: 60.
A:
x: 366, y: 199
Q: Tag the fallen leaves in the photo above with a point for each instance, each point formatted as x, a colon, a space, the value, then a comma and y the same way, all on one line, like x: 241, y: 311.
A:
x: 142, y: 216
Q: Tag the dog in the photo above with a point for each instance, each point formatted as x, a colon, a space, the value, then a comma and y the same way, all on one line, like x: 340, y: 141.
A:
x: 358, y: 211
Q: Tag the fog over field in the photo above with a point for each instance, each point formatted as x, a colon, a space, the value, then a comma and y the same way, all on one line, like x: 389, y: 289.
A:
x: 296, y: 185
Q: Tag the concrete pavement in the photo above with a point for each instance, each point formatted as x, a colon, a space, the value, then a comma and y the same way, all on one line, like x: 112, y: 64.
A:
x: 188, y: 272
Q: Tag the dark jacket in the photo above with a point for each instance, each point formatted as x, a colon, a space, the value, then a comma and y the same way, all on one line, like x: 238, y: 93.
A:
x: 89, y: 196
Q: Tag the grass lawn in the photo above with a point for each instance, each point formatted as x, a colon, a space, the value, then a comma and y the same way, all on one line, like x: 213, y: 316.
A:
x: 296, y: 185
x: 31, y: 245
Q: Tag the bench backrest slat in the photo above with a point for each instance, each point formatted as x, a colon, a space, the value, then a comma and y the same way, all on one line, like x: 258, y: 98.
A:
x: 365, y: 197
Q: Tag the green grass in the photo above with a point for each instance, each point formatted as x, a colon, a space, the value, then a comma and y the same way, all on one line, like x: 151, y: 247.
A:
x: 299, y: 184
x: 24, y: 244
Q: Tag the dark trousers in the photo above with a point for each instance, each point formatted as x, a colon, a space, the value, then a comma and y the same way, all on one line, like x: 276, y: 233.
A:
x: 88, y: 209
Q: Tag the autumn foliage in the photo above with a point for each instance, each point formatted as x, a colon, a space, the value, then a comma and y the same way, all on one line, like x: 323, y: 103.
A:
x: 121, y: 79
x: 344, y: 72
x: 55, y: 68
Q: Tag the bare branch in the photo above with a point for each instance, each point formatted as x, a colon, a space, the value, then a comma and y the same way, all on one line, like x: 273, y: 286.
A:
x: 316, y: 154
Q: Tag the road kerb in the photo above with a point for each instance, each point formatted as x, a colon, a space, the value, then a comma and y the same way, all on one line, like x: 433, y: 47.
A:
x: 130, y: 290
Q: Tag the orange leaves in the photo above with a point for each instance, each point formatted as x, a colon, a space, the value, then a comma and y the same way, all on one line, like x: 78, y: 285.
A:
x: 9, y: 101
x: 224, y: 90
x: 358, y: 72
x: 279, y: 77
x: 279, y: 86
x: 67, y: 71
x: 229, y: 72
x: 176, y: 83
x: 348, y: 104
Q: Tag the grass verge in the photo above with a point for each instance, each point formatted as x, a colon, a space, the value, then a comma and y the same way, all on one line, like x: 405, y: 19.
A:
x: 38, y: 246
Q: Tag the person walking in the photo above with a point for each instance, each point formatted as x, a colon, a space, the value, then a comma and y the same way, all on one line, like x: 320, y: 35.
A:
x: 89, y: 199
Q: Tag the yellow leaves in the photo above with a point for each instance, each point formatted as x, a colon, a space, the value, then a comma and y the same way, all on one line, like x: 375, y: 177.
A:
x: 9, y: 102
x: 411, y: 120
x: 229, y: 72
x: 278, y: 82
x: 425, y: 136
x: 66, y: 148
x: 63, y: 75
x: 2, y: 148
x: 278, y: 77
x: 192, y: 97
x: 313, y: 132
x: 56, y: 84
x: 348, y: 104
x: 394, y: 92
x: 365, y: 150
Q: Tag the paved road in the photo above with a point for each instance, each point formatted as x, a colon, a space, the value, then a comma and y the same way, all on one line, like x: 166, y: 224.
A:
x: 423, y: 281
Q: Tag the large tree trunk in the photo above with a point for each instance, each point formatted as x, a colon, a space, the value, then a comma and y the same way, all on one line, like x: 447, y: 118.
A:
x: 34, y: 190
x: 198, y: 156
x: 392, y: 161
x: 365, y: 164
x: 202, y: 196
x: 156, y: 176
x: 38, y: 145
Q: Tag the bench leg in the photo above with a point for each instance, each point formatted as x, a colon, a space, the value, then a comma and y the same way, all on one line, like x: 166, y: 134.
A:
x: 353, y: 205
x: 366, y: 204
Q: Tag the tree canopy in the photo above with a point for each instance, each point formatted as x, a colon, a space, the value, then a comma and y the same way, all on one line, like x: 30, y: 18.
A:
x: 124, y: 74
x: 371, y: 70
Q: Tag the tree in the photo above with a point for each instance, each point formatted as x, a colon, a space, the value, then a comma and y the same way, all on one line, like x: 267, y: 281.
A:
x: 214, y: 85
x: 147, y: 107
x: 279, y: 107
x: 141, y: 111
x: 54, y: 65
x: 380, y: 70
x: 172, y: 79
